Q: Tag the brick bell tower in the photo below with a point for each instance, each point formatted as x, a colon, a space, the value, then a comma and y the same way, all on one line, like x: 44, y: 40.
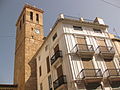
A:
x: 29, y: 37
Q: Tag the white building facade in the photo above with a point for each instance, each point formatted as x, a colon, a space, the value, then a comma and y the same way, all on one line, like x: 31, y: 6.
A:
x: 78, y: 55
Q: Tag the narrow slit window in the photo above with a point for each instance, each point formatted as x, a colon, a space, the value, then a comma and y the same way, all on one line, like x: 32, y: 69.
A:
x: 37, y: 17
x: 55, y: 36
x: 46, y: 47
x: 39, y: 58
x: 41, y: 86
x: 48, y: 64
x: 50, y: 82
x: 23, y: 18
x: 20, y: 25
x: 40, y: 72
x: 31, y: 15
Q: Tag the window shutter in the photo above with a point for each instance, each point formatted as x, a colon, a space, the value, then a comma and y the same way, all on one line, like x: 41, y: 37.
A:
x: 59, y: 71
x: 48, y: 64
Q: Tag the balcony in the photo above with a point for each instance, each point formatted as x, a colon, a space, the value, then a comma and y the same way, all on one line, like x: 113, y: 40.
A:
x: 55, y: 57
x: 60, y: 83
x: 90, y: 75
x: 106, y: 52
x: 83, y: 50
x: 113, y: 74
x: 8, y: 87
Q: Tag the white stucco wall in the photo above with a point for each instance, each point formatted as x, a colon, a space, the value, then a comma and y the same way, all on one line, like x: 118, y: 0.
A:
x: 72, y: 65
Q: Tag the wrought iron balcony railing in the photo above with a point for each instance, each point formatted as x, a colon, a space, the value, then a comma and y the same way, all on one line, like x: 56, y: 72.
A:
x: 82, y: 48
x: 106, y: 52
x: 8, y: 87
x: 106, y: 49
x: 56, y: 56
x: 90, y: 73
x: 60, y: 81
x: 112, y: 72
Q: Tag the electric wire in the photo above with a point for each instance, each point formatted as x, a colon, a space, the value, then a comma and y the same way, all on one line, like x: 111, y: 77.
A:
x: 114, y: 5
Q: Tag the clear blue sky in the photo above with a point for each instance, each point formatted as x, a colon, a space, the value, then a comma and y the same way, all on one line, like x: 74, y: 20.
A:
x: 10, y: 10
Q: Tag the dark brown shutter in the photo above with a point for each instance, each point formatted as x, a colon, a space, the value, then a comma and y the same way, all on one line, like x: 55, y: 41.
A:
x: 88, y: 64
x: 56, y: 48
x: 48, y: 64
x: 102, y: 44
x: 89, y: 68
x: 101, y: 41
x: 59, y: 71
x: 41, y: 86
x: 94, y: 86
x: 82, y: 44
x: 81, y: 40
x: 40, y: 71
x: 110, y: 65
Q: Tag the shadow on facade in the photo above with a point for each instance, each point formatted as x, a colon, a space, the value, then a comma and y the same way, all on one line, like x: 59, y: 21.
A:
x: 31, y: 83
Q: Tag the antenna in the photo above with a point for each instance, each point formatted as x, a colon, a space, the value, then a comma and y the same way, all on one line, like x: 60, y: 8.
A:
x: 114, y: 30
x: 31, y: 2
x: 35, y: 3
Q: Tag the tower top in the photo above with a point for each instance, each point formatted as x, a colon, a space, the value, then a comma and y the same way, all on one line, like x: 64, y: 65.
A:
x: 30, y: 7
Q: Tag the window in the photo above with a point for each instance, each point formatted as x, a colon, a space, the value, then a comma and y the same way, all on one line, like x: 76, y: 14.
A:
x: 50, y: 82
x: 81, y: 40
x: 20, y: 25
x: 54, y: 37
x: 37, y: 17
x: 93, y: 86
x: 46, y: 47
x: 77, y: 28
x: 48, y: 64
x: 31, y: 15
x: 32, y: 29
x: 41, y: 87
x: 56, y: 49
x: 102, y: 44
x: 39, y: 58
x: 40, y: 72
x: 88, y: 64
x: 59, y: 71
x: 32, y: 37
x: 110, y: 64
x: 115, y: 85
x: 23, y: 18
x: 97, y: 30
x: 82, y: 43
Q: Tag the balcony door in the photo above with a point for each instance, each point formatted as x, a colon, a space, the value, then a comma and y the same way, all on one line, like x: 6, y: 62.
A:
x: 111, y: 67
x: 110, y: 64
x: 102, y: 45
x: 82, y: 44
x: 89, y: 67
x: 56, y: 48
x: 59, y: 71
